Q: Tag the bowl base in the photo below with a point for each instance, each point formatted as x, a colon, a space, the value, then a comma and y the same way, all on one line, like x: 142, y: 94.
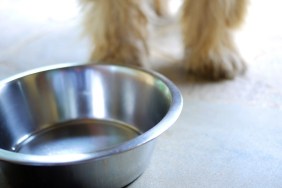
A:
x: 77, y: 137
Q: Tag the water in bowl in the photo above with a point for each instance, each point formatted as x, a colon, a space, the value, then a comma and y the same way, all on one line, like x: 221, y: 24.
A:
x: 77, y: 137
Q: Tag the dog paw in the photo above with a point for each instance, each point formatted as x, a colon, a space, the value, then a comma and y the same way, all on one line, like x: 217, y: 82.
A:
x: 225, y: 64
x: 119, y: 57
x: 125, y: 62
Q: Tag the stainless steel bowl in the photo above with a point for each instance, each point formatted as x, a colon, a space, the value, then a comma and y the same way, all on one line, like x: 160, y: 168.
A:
x: 82, y: 125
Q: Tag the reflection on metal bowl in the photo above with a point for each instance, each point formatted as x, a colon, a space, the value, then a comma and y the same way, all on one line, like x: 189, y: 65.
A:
x: 82, y: 125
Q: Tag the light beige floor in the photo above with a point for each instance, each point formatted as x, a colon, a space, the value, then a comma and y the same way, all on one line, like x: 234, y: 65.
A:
x: 229, y: 133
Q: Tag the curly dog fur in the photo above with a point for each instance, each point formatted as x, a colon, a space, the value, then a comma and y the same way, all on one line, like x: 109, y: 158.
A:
x: 118, y: 33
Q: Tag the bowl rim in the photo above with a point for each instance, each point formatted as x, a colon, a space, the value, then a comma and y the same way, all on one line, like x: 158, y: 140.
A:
x: 56, y: 160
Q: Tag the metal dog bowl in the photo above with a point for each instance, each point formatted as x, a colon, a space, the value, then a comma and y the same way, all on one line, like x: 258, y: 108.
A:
x: 82, y: 125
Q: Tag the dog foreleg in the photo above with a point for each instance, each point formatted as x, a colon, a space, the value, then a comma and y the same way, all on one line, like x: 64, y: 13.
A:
x: 117, y: 29
x: 207, y: 28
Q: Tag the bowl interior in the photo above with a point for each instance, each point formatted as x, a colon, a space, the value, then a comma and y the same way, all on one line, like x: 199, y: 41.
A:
x: 79, y: 109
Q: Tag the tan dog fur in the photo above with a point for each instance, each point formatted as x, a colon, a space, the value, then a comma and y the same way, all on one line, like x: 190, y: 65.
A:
x: 118, y: 32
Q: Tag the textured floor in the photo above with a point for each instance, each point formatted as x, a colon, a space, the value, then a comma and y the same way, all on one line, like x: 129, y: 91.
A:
x: 229, y: 133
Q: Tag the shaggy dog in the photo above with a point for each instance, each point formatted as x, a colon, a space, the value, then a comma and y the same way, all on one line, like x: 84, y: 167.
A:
x: 117, y: 29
